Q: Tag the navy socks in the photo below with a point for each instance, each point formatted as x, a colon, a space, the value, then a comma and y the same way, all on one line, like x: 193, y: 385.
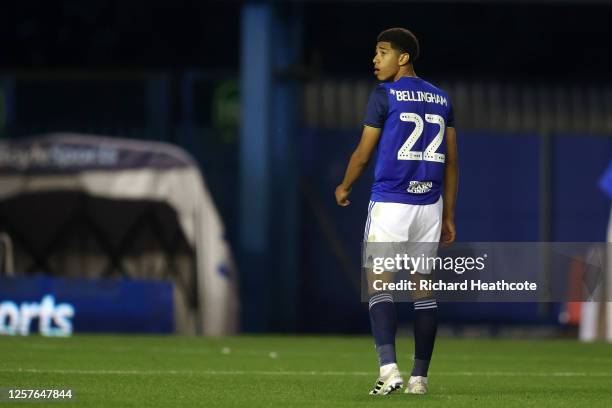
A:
x: 383, y: 321
x: 425, y: 328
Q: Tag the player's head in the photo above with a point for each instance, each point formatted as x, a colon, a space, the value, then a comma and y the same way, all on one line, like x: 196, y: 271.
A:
x: 396, y: 49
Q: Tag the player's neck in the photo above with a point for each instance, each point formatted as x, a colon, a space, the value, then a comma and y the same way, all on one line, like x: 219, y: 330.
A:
x: 405, y: 71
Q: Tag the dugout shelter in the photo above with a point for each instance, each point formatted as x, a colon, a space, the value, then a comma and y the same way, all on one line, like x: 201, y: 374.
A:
x: 88, y: 206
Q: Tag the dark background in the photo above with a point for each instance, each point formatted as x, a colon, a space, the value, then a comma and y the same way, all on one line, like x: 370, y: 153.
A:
x: 516, y: 40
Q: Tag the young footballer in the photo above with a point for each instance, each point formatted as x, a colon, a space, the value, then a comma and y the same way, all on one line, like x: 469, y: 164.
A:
x: 409, y: 122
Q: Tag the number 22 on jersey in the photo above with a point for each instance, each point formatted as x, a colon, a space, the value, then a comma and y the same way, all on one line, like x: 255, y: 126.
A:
x: 406, y: 153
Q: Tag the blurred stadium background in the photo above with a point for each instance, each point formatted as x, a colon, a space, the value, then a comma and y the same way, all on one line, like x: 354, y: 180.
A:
x: 266, y: 99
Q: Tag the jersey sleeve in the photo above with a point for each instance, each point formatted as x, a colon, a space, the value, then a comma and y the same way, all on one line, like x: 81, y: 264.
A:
x: 377, y: 109
x: 450, y: 122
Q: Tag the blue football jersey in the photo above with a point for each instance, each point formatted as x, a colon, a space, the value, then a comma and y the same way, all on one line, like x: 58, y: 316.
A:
x: 413, y: 115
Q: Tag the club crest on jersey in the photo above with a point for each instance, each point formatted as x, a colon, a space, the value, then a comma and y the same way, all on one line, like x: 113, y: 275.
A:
x: 418, y: 96
x: 419, y: 187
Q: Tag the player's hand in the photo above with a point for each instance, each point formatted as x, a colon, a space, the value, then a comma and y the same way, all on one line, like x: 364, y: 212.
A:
x: 448, y: 232
x: 342, y: 196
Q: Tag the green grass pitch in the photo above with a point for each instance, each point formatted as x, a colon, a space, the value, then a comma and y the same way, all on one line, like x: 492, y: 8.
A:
x: 267, y: 371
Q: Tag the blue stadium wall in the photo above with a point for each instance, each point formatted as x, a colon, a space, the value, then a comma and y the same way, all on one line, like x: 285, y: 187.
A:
x: 500, y: 199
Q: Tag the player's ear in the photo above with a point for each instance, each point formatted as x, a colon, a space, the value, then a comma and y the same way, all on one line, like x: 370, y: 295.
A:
x: 404, y: 58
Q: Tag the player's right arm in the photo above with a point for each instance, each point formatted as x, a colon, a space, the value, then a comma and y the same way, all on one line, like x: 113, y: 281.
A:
x: 358, y: 163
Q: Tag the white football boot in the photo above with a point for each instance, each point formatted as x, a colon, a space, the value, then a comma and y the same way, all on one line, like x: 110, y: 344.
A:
x: 389, y: 381
x: 417, y: 385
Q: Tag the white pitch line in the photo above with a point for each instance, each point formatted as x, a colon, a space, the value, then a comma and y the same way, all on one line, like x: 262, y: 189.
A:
x: 240, y: 351
x: 524, y: 374
x: 300, y: 373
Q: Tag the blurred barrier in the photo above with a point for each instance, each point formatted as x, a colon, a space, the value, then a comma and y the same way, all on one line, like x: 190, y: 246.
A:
x: 490, y: 106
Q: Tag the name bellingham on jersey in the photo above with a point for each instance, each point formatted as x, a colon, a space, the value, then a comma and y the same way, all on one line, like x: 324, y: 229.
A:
x: 413, y: 115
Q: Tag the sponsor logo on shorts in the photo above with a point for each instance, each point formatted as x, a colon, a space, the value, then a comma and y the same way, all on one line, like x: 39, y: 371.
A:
x: 419, y: 187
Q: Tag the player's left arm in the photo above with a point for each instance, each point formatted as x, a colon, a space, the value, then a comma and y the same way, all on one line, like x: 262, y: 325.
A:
x: 451, y: 182
x: 358, y: 163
